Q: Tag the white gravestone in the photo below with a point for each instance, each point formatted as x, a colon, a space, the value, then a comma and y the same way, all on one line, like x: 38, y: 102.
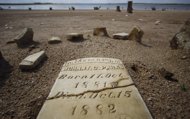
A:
x: 94, y: 88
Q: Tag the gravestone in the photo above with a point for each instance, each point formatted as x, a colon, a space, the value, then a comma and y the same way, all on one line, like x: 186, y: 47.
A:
x: 130, y: 7
x: 94, y: 88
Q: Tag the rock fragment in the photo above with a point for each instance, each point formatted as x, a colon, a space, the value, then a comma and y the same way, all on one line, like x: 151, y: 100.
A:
x: 54, y: 40
x: 25, y: 38
x: 32, y: 61
x: 157, y: 22
x: 181, y: 40
x: 5, y: 67
x: 100, y: 31
x: 75, y: 37
x: 122, y: 36
x: 136, y: 34
x: 167, y: 75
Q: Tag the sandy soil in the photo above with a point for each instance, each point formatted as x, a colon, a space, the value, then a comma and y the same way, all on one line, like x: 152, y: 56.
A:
x: 22, y: 93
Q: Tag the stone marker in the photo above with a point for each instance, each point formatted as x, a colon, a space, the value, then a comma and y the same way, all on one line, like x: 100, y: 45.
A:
x: 32, y: 61
x: 54, y: 40
x: 94, y: 88
x: 122, y: 36
x: 100, y: 31
x: 136, y: 34
x: 130, y: 7
x: 75, y: 37
x: 118, y: 9
x: 25, y: 37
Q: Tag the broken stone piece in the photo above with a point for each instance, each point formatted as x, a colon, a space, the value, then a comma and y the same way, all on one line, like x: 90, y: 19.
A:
x: 181, y: 40
x: 122, y: 36
x: 25, y: 37
x: 32, y: 61
x: 5, y: 67
x: 101, y: 31
x: 54, y: 40
x: 75, y: 37
x: 136, y: 34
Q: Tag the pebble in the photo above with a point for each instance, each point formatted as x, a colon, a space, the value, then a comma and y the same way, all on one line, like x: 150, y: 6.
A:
x: 184, y: 57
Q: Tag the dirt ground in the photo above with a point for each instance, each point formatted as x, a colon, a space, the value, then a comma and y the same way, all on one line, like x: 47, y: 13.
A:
x: 22, y: 94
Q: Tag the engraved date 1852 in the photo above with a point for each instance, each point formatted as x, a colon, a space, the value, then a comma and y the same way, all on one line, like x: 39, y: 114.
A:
x: 100, y: 109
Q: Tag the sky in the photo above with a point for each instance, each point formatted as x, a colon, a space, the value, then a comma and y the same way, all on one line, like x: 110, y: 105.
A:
x: 95, y: 1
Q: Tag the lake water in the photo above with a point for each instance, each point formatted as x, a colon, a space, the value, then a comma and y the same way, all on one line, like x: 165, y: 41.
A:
x: 103, y: 6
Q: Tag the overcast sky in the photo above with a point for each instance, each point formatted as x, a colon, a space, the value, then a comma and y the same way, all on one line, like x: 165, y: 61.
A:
x: 96, y: 1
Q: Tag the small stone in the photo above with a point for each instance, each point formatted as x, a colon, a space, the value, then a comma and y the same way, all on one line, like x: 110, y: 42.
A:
x: 10, y: 42
x: 140, y: 19
x: 113, y: 19
x: 136, y: 34
x: 75, y: 37
x: 149, y: 99
x: 100, y: 31
x: 184, y: 57
x: 167, y: 75
x: 32, y: 61
x: 122, y: 36
x: 157, y: 22
x: 54, y: 40
x: 126, y: 15
x: 25, y: 38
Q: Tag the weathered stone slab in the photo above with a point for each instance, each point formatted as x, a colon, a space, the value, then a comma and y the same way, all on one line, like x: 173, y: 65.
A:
x: 32, y: 61
x: 25, y: 37
x: 122, y: 36
x: 54, y: 40
x: 94, y: 88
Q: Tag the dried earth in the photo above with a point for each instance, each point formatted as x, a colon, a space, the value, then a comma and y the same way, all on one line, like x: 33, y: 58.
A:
x: 22, y: 94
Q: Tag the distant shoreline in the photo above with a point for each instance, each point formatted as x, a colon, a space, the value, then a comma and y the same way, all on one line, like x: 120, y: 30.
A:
x: 91, y: 3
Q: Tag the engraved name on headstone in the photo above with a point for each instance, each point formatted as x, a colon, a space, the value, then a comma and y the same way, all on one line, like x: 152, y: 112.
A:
x: 94, y: 88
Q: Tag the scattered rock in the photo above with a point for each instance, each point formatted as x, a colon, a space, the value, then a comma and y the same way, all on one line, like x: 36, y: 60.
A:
x: 54, y: 40
x: 75, y: 37
x: 5, y: 67
x: 167, y: 75
x: 32, y: 61
x: 181, y: 40
x: 32, y: 47
x: 140, y: 19
x: 25, y: 38
x: 157, y: 22
x: 126, y: 15
x: 130, y: 7
x: 122, y: 36
x: 149, y: 99
x: 101, y: 31
x: 184, y: 57
x: 113, y: 19
x: 136, y: 34
x: 11, y: 42
x: 152, y: 77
